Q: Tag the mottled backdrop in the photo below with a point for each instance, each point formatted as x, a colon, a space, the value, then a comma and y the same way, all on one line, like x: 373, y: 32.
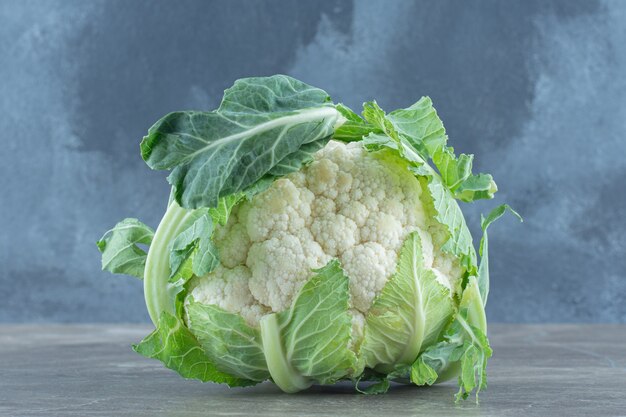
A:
x: 537, y: 89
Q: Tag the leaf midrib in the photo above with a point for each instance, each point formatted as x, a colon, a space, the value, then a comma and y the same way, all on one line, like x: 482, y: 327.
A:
x: 302, y: 116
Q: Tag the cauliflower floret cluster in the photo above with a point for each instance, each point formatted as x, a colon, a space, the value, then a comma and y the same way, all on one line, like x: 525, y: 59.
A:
x: 348, y: 204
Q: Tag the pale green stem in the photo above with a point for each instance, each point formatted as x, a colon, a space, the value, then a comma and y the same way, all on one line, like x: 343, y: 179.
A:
x: 158, y: 292
x: 283, y: 374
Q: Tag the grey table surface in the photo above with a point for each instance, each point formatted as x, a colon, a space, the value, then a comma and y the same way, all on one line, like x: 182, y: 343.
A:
x: 90, y: 370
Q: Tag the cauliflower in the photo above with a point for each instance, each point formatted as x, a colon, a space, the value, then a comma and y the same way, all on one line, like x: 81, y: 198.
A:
x: 349, y: 204
x: 306, y: 244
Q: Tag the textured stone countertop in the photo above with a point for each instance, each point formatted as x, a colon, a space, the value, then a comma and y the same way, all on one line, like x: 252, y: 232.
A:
x: 90, y: 370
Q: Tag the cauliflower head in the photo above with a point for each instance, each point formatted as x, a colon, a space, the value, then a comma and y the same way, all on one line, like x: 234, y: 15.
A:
x: 349, y: 204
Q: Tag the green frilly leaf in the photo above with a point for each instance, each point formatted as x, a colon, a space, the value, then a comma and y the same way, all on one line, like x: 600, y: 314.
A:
x: 120, y: 251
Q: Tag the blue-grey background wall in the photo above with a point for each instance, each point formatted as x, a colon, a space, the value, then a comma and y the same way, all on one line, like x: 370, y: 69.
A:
x: 536, y: 89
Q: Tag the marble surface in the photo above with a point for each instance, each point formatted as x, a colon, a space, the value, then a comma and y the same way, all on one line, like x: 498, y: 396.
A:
x: 90, y: 370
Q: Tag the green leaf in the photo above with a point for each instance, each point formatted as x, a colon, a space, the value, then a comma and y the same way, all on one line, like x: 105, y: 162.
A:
x: 380, y: 385
x: 181, y: 247
x: 476, y: 187
x: 260, y: 123
x: 423, y: 373
x: 317, y: 328
x: 421, y: 125
x: 120, y: 253
x: 294, y: 162
x: 221, y: 212
x: 457, y: 175
x: 472, y: 305
x: 309, y: 342
x: 464, y: 344
x: 195, y: 241
x: 184, y: 271
x: 354, y: 128
x: 376, y: 116
x: 423, y: 129
x: 410, y: 313
x: 464, y: 349
x: 376, y: 142
x: 474, y: 359
x: 439, y: 359
x: 448, y: 213
x: 453, y: 170
x: 229, y: 341
x: 174, y: 345
x: 483, y: 268
x: 349, y: 114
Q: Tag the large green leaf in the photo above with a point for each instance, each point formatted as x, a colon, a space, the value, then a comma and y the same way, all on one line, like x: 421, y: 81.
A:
x: 174, y: 345
x: 260, y: 123
x: 309, y: 342
x: 409, y: 314
x: 120, y: 253
x: 229, y: 341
